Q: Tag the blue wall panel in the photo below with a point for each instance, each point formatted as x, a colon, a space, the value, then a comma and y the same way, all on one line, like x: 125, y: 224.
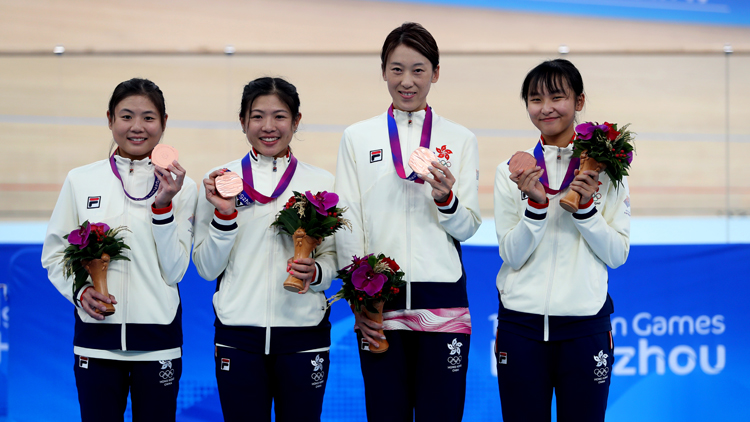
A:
x: 680, y: 337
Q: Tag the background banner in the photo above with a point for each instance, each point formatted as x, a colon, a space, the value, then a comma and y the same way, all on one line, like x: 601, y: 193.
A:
x: 680, y: 332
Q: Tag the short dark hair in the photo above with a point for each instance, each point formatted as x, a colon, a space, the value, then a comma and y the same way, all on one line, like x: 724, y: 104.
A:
x: 286, y: 92
x: 554, y: 76
x: 412, y: 35
x: 138, y: 86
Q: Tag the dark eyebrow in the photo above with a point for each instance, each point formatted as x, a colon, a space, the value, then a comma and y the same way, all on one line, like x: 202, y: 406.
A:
x: 402, y: 65
x: 280, y: 110
x: 127, y: 110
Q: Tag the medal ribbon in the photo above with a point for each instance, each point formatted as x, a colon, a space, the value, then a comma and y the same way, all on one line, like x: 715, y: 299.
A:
x: 113, y: 165
x: 250, y: 195
x: 424, y: 141
x: 575, y: 162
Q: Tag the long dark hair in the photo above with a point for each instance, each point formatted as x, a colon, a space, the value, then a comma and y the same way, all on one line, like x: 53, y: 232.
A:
x: 412, y: 35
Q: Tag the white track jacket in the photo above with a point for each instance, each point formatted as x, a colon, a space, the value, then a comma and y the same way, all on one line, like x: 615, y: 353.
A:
x: 148, y: 314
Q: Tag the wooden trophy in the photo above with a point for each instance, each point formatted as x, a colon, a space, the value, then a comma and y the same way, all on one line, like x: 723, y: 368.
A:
x: 571, y: 201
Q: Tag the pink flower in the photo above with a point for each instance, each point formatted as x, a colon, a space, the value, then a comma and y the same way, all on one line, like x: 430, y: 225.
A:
x: 80, y: 236
x: 367, y: 280
x: 586, y: 130
x: 322, y: 201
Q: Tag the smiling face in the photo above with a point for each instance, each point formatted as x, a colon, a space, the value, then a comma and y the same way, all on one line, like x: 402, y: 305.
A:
x: 269, y: 125
x: 553, y: 112
x: 409, y: 76
x: 136, y: 126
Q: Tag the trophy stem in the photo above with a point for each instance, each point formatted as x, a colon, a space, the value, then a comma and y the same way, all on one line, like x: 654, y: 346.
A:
x: 303, y: 247
x: 572, y: 199
x: 377, y: 317
x: 97, y: 269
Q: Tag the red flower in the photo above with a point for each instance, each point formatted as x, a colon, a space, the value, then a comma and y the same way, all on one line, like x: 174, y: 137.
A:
x: 391, y: 264
x: 444, y: 152
x: 612, y: 134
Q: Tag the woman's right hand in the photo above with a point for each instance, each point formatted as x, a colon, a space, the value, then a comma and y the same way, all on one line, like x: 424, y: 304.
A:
x: 92, y: 300
x: 368, y: 328
x: 225, y: 206
x: 528, y: 183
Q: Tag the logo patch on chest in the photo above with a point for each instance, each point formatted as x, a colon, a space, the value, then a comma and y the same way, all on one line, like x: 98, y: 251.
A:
x: 93, y: 202
x: 376, y: 155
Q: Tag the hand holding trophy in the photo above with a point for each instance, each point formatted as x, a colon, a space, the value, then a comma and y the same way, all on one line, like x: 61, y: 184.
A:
x: 368, y: 283
x: 92, y: 247
x: 308, y: 219
x: 601, y: 148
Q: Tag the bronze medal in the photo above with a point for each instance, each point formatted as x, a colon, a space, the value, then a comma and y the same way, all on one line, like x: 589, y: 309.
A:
x: 228, y: 185
x: 521, y: 161
x: 163, y: 155
x: 421, y: 159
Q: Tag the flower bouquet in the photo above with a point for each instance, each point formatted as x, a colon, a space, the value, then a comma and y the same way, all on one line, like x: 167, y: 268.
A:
x: 601, y: 148
x: 92, y: 247
x: 368, y: 283
x: 308, y: 219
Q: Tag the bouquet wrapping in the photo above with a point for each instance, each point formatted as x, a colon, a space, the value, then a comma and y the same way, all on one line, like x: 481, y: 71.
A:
x: 368, y: 283
x: 601, y: 148
x: 308, y: 219
x: 92, y: 247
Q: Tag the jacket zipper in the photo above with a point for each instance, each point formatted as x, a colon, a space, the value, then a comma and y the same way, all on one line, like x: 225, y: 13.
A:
x: 272, y: 270
x: 408, y: 224
x: 126, y: 273
x: 558, y: 167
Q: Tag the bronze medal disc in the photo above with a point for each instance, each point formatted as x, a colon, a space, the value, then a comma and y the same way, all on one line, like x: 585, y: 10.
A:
x: 421, y: 159
x: 163, y: 155
x: 228, y: 185
x: 521, y: 161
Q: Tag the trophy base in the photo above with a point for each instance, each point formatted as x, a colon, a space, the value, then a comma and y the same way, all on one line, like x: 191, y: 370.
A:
x: 109, y: 311
x: 568, y: 206
x: 293, y: 284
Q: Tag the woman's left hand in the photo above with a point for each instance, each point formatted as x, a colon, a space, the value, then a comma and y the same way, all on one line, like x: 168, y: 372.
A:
x: 168, y: 186
x: 304, y: 269
x: 442, y: 181
x: 586, y: 183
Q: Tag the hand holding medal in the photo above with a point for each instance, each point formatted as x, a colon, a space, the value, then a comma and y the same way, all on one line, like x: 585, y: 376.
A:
x: 164, y: 158
x: 424, y: 163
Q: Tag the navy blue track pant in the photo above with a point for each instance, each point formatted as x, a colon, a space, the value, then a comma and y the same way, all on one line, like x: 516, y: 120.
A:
x: 249, y: 382
x: 422, y: 377
x: 579, y: 370
x: 103, y: 386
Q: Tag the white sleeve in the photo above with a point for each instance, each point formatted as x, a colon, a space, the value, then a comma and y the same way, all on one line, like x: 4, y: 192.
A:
x: 173, y: 233
x: 518, y: 236
x: 608, y: 232
x: 460, y: 215
x: 214, y: 238
x: 349, y: 243
x: 64, y: 219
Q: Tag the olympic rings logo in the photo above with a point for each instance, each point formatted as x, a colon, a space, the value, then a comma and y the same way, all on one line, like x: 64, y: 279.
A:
x: 318, y: 376
x: 167, y: 374
x: 454, y: 360
x: 600, y: 372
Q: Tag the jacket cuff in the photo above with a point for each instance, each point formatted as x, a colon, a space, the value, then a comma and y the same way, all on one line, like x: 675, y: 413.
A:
x: 162, y: 215
x: 80, y: 292
x: 536, y: 211
x: 318, y: 276
x: 449, y: 206
x: 585, y: 211
x: 224, y: 222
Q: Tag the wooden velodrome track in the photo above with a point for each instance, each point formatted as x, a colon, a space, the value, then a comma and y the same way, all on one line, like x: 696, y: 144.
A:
x: 669, y: 80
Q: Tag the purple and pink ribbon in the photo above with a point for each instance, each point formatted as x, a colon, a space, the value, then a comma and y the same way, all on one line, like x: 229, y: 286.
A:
x: 424, y: 141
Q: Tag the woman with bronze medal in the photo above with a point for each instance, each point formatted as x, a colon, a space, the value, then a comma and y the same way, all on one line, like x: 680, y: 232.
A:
x: 554, y: 331
x: 134, y: 213
x: 271, y: 343
x: 418, y: 218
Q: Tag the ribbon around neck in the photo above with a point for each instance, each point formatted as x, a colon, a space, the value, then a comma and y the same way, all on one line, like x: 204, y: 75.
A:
x: 250, y: 195
x: 154, y: 189
x: 424, y: 141
x: 575, y: 162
